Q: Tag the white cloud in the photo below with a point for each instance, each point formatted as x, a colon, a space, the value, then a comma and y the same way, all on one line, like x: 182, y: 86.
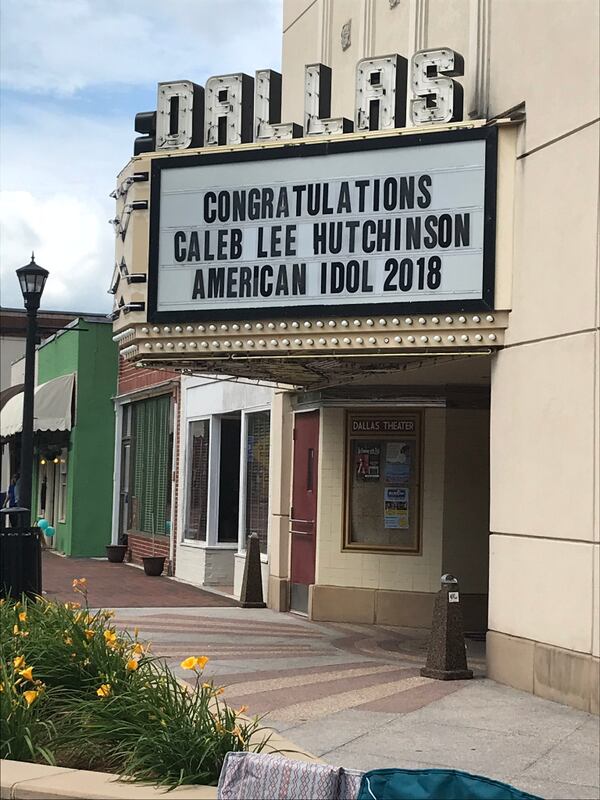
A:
x: 57, y: 172
x: 69, y: 240
x: 62, y: 46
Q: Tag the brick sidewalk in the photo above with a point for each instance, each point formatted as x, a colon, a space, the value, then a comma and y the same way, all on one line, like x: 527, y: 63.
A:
x: 120, y: 585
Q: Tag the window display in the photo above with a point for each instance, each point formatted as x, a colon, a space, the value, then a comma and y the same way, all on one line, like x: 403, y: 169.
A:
x: 383, y: 482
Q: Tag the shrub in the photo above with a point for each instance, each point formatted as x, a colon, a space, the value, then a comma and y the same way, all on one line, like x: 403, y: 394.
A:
x: 77, y: 692
x: 25, y: 734
x: 161, y: 730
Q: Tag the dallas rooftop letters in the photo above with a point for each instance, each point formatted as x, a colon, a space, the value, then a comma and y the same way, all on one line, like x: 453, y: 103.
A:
x: 235, y: 109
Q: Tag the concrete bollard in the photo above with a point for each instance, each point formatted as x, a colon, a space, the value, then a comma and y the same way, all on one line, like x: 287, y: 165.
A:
x: 447, y: 657
x: 252, y: 593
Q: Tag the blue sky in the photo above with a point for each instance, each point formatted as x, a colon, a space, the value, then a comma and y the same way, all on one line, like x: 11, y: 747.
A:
x: 73, y: 75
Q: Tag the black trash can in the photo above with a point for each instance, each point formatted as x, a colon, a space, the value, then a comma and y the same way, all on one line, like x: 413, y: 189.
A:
x: 20, y: 556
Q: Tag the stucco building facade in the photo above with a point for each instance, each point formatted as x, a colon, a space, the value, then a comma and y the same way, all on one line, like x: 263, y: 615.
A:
x: 412, y: 436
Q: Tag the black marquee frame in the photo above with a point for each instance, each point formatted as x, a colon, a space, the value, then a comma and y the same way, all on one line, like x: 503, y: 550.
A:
x: 488, y: 134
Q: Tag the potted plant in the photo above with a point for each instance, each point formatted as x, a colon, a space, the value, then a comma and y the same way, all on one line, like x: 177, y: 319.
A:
x: 153, y: 565
x: 116, y: 552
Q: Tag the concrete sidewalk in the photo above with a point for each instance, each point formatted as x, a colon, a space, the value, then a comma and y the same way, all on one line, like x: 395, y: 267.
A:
x: 353, y: 695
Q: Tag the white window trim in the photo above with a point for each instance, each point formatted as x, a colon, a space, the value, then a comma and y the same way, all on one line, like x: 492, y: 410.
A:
x: 187, y: 471
x: 63, y: 502
x: 212, y: 510
x: 241, y: 546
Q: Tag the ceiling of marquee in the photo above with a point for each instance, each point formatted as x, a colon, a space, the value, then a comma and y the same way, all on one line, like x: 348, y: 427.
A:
x: 324, y: 372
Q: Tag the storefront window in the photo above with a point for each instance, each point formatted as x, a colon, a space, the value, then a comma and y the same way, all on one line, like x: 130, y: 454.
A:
x: 257, y: 476
x: 150, y: 483
x: 199, y: 443
x: 383, y: 482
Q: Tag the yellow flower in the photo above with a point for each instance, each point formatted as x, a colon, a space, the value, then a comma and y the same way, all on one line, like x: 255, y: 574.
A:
x: 68, y: 640
x: 19, y: 662
x: 242, y: 709
x: 75, y: 605
x: 27, y: 673
x: 194, y: 661
x: 30, y: 696
x: 23, y: 616
x: 79, y: 582
x: 132, y: 665
x: 108, y: 614
x: 104, y: 690
x: 16, y: 630
x: 207, y: 685
x: 89, y: 634
x: 110, y: 638
x: 220, y: 690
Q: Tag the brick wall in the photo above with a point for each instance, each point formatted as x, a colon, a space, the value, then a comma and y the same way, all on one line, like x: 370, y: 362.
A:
x: 132, y: 378
x: 140, y: 546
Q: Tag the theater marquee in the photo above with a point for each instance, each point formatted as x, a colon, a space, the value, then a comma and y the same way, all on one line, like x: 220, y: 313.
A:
x: 385, y: 224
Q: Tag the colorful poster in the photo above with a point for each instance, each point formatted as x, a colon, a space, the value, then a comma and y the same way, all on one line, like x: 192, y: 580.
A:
x: 367, y: 462
x: 395, y: 508
x: 397, y: 463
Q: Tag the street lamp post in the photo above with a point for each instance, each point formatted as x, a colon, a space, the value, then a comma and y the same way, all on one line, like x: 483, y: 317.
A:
x: 32, y: 279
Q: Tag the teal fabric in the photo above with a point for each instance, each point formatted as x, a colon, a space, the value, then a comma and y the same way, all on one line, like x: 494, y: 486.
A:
x: 434, y: 784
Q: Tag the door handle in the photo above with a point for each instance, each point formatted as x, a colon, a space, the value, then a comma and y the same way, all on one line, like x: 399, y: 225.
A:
x: 305, y: 521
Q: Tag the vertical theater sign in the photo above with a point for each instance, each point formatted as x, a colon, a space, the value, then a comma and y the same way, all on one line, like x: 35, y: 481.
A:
x: 251, y: 246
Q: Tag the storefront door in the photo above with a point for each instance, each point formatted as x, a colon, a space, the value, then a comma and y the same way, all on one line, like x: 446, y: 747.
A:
x: 304, y: 508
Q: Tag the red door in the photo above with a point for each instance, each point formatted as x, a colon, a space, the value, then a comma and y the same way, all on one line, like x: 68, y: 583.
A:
x: 304, y: 508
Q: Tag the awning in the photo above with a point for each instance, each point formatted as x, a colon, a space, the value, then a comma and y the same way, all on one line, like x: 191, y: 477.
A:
x: 9, y: 392
x: 52, y: 409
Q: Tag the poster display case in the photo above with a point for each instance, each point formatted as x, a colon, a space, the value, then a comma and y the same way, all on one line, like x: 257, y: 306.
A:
x: 383, y: 482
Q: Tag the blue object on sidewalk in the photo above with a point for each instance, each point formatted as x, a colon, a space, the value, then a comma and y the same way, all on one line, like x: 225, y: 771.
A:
x: 434, y: 784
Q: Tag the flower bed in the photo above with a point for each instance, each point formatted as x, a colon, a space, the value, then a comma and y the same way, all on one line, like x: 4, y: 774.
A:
x: 75, y: 692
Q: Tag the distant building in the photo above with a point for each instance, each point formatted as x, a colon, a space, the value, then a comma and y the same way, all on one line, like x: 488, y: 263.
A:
x: 13, y: 325
x: 74, y: 431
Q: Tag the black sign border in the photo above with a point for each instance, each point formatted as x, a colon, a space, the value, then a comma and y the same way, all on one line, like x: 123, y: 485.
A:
x: 488, y: 134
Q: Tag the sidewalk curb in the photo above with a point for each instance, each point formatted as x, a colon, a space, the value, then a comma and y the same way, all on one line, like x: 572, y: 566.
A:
x: 21, y: 780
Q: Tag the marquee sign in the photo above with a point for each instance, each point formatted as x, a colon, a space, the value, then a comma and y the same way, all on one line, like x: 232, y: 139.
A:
x: 379, y: 225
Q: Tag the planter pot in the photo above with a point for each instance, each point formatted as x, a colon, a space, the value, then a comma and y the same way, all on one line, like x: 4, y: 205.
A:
x: 153, y: 565
x: 116, y: 552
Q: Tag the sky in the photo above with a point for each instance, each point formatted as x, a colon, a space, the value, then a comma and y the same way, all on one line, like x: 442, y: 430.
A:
x: 73, y: 75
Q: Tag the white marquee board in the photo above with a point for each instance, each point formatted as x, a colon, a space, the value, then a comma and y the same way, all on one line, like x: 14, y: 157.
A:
x: 389, y: 227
